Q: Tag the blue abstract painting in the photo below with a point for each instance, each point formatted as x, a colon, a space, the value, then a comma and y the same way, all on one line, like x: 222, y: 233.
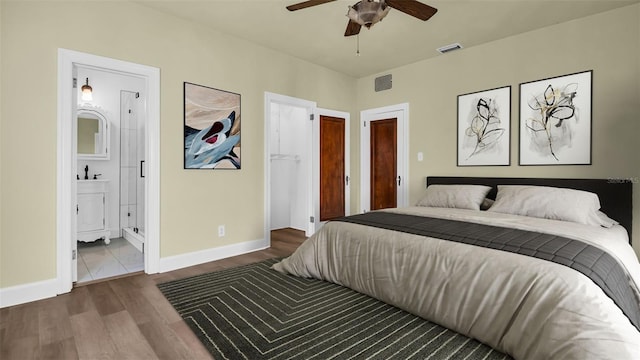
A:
x: 211, y: 128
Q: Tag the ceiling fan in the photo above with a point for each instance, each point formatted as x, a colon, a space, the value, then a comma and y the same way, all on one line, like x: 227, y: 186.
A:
x: 368, y: 12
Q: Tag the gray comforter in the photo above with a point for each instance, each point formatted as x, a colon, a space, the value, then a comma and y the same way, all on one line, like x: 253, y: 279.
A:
x: 526, y: 307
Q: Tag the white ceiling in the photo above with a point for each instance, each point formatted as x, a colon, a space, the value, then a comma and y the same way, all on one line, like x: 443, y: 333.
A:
x: 316, y: 34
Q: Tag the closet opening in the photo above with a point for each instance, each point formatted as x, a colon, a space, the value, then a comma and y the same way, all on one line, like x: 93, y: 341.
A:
x: 290, y: 167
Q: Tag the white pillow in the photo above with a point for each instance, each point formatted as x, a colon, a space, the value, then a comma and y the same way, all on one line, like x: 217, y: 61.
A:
x: 455, y: 196
x: 601, y: 219
x: 547, y: 202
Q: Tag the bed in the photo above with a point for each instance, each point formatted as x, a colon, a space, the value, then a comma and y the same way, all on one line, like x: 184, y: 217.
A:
x: 532, y: 285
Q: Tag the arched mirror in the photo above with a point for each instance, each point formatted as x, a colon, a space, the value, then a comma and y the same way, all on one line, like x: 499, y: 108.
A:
x: 93, y: 134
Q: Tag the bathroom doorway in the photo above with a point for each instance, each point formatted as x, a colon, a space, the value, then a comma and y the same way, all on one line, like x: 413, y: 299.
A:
x: 111, y: 181
x: 69, y: 169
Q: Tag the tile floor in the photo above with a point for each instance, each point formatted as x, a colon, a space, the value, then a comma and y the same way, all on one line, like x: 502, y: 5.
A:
x: 98, y: 261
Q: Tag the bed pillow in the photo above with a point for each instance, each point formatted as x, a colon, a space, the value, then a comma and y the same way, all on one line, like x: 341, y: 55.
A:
x: 455, y: 196
x: 601, y: 219
x: 547, y: 202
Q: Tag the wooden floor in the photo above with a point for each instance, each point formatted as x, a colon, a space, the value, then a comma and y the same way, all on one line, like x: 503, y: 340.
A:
x: 125, y: 318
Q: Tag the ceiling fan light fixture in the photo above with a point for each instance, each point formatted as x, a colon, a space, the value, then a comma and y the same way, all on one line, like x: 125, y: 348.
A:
x: 368, y: 12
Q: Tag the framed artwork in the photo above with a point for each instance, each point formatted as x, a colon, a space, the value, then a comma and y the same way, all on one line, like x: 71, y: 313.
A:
x: 484, y: 119
x: 555, y: 120
x: 211, y: 128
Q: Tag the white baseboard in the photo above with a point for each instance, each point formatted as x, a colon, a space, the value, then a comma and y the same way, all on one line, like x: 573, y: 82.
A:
x: 20, y: 294
x: 199, y: 257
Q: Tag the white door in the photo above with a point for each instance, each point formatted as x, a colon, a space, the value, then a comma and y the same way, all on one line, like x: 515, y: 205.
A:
x: 393, y: 121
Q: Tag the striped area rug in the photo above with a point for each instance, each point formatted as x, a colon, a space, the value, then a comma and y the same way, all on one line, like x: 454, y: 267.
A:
x: 253, y: 312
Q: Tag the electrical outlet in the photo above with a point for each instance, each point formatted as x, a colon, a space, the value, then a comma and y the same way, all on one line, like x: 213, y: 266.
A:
x: 220, y: 230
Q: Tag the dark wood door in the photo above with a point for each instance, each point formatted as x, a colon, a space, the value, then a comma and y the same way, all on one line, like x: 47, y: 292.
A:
x: 332, y: 171
x: 384, y: 163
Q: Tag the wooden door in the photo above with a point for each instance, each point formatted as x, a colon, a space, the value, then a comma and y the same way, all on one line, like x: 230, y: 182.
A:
x: 332, y: 167
x: 383, y: 163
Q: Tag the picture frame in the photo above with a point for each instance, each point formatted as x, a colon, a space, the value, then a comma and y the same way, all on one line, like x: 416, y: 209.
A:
x: 555, y: 120
x: 484, y: 128
x: 211, y: 128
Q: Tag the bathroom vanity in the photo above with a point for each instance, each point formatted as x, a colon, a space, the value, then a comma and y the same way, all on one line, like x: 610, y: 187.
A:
x: 92, y: 211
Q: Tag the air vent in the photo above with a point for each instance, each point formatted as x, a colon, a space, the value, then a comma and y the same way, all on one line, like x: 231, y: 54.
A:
x: 449, y: 48
x: 383, y: 82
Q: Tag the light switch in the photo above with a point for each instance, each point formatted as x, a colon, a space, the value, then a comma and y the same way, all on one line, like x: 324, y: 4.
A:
x: 420, y: 156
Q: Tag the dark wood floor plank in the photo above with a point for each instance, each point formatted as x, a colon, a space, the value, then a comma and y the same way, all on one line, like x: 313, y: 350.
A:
x: 131, y: 297
x: 126, y: 336
x: 160, y: 305
x: 104, y: 299
x: 53, y: 321
x: 164, y: 341
x: 118, y: 318
x: 92, y: 338
x: 23, y: 321
x: 65, y: 349
x: 79, y: 301
x: 19, y: 347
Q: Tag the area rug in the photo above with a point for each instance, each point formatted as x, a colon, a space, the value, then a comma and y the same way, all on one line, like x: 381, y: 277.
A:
x: 254, y: 312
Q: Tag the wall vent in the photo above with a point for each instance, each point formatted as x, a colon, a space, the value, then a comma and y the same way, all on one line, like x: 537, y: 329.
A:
x: 449, y: 48
x: 383, y: 82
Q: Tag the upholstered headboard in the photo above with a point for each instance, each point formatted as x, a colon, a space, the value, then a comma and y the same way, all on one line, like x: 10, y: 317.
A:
x: 615, y: 196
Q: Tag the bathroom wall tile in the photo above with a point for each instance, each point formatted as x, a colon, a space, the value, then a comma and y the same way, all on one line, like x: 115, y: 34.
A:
x: 124, y: 219
x: 133, y: 210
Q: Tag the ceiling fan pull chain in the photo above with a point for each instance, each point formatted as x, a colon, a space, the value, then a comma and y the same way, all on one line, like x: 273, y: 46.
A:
x: 358, y: 45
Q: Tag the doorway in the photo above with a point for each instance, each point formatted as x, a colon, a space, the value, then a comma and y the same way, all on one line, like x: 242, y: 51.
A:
x: 67, y: 165
x: 292, y: 163
x: 383, y: 157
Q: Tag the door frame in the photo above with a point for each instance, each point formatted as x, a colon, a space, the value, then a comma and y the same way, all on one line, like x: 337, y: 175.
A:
x: 347, y: 162
x: 401, y: 112
x: 310, y: 106
x: 66, y: 189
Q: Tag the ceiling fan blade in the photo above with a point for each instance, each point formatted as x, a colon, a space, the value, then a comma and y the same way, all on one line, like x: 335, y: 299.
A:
x: 413, y: 8
x: 306, y: 4
x: 353, y: 28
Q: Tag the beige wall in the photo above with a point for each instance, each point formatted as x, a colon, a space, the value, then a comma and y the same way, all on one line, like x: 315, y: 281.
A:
x: 608, y: 43
x: 193, y: 203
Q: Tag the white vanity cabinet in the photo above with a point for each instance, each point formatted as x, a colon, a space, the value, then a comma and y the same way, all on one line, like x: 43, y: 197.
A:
x: 92, y: 211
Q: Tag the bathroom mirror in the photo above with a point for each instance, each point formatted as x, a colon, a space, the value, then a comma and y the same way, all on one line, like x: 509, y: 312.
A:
x: 93, y: 134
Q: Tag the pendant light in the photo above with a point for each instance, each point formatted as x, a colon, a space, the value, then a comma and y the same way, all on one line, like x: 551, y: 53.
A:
x: 87, y: 92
